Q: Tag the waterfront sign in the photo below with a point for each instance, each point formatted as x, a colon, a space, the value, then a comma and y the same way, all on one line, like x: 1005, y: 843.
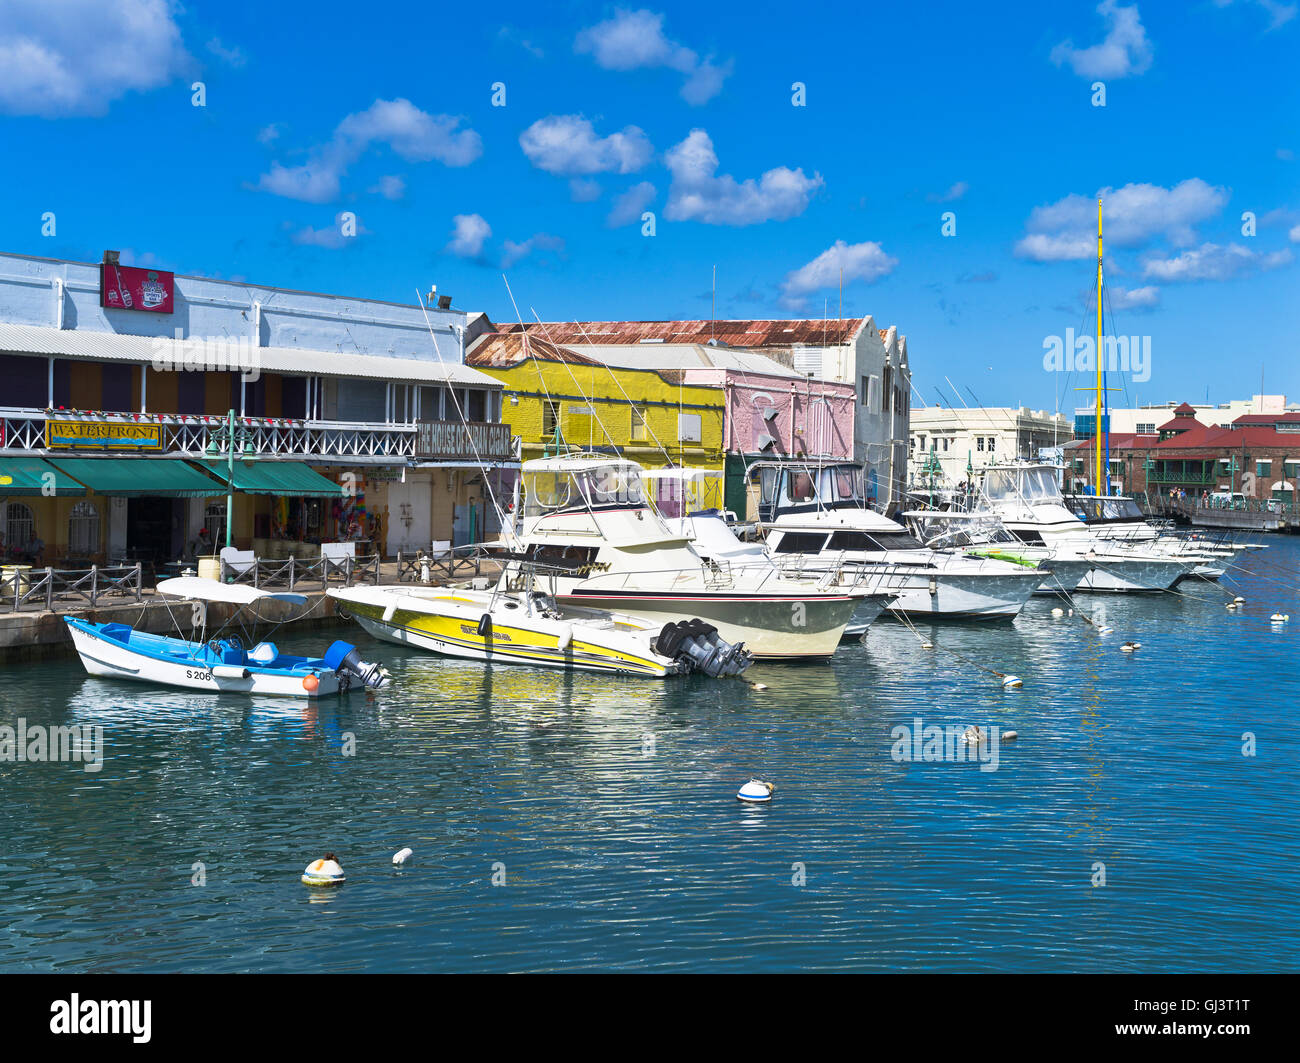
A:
x: 130, y: 288
x: 103, y: 435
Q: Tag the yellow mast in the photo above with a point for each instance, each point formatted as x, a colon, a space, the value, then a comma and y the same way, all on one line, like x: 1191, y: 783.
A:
x: 1096, y: 432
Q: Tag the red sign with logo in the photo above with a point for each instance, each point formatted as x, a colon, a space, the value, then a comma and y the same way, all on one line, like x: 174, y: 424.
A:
x: 131, y: 288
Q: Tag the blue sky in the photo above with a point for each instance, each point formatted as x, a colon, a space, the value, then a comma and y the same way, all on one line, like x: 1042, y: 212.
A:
x: 314, y: 112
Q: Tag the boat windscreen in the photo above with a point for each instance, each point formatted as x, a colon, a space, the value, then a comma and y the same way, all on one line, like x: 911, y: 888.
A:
x: 554, y: 490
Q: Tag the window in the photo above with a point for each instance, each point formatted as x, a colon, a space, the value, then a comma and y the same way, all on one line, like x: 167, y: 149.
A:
x: 639, y: 434
x: 550, y: 418
x: 866, y: 392
x: 992, y: 442
x: 1263, y: 466
x: 476, y: 407
x: 922, y: 439
x: 20, y: 529
x: 1290, y: 468
x: 361, y: 400
x: 1147, y: 429
x: 946, y: 441
x: 83, y: 529
x: 872, y: 394
x: 689, y: 428
x: 979, y: 443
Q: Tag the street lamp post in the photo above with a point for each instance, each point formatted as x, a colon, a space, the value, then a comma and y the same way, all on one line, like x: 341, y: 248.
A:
x: 228, y: 437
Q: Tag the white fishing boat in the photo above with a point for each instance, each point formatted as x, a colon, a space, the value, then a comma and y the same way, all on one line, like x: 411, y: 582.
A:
x: 1026, y: 497
x: 1118, y: 519
x: 818, y: 511
x: 586, y: 519
x: 222, y: 663
x: 690, y: 501
x: 528, y: 627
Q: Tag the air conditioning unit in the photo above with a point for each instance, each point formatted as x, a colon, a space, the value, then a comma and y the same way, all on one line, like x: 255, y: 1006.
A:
x: 765, y: 441
x: 770, y: 413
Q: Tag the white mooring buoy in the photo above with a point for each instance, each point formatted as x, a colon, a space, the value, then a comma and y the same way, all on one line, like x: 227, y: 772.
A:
x: 323, y: 872
x: 1239, y: 599
x: 1009, y: 736
x: 1010, y: 682
x: 1279, y: 618
x: 401, y: 856
x: 756, y: 790
x: 1128, y: 647
x: 1058, y: 611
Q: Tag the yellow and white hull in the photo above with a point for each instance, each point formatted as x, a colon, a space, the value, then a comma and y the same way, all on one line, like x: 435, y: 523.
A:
x: 451, y: 621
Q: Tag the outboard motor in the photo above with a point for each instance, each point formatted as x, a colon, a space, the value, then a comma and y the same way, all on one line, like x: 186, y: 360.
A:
x: 343, y: 658
x: 698, y: 647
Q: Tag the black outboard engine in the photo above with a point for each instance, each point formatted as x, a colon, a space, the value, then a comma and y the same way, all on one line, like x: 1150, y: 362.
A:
x: 346, y: 661
x: 698, y: 647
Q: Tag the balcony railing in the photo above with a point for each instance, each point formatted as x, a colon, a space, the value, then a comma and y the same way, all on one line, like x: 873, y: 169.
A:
x: 23, y: 431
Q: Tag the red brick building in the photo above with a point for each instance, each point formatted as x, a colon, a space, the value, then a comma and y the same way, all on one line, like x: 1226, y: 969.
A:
x: 1257, y: 455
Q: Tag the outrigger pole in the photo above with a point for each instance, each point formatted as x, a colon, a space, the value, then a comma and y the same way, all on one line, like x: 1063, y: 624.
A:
x: 1097, y: 424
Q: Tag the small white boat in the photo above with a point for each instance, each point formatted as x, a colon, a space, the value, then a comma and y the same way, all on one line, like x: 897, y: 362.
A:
x: 220, y: 664
x: 527, y: 627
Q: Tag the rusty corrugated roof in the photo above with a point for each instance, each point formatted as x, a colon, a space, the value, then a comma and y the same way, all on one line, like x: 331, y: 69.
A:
x: 503, y: 350
x: 788, y: 332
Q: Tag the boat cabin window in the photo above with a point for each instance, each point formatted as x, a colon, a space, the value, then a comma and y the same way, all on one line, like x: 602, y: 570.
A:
x: 801, y: 543
x: 854, y: 540
x: 1033, y: 485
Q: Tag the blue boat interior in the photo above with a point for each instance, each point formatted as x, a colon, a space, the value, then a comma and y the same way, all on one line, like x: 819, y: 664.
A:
x: 263, y: 657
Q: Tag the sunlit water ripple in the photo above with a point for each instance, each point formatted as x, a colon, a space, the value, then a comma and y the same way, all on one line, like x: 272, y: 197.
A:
x: 619, y: 854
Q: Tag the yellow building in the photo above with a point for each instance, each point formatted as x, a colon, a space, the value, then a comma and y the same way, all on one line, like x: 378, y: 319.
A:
x: 648, y: 415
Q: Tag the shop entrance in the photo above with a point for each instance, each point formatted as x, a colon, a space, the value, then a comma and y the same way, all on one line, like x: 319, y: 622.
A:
x: 154, y: 529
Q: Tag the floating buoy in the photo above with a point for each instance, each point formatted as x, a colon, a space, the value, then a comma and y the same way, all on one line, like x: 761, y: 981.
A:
x: 927, y: 645
x: 1058, y: 611
x: 401, y: 856
x: 1010, y: 681
x: 1232, y: 606
x: 1009, y: 736
x: 310, y: 683
x: 1279, y: 618
x: 1103, y: 630
x: 1128, y: 647
x: 323, y: 872
x: 756, y: 790
x: 760, y: 686
x: 1239, y: 599
x: 1072, y: 612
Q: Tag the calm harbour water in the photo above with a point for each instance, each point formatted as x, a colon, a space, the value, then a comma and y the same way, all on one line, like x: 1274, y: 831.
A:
x: 615, y: 858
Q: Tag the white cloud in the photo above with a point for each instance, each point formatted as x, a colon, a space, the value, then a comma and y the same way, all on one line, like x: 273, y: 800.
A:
x: 268, y: 134
x: 232, y: 56
x: 697, y: 193
x: 955, y: 192
x: 390, y: 186
x: 1125, y: 49
x: 865, y: 261
x: 1279, y: 14
x: 1213, y: 262
x: 629, y: 206
x: 633, y: 40
x: 1294, y: 235
x: 413, y: 134
x: 468, y: 235
x: 78, y: 56
x: 331, y: 237
x: 517, y: 252
x: 584, y: 190
x: 1134, y: 298
x: 567, y: 145
x: 1067, y: 229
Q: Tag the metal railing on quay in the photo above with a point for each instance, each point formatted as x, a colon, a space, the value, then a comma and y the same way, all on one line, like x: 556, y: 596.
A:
x: 40, y: 589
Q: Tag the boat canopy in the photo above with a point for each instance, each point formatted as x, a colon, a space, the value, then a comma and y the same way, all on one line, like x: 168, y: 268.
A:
x: 683, y: 492
x: 558, y: 485
x: 211, y: 590
x: 1028, y: 483
x: 833, y: 485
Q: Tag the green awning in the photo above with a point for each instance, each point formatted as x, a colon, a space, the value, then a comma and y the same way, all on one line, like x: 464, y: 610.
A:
x: 291, y: 478
x: 32, y: 476
x: 136, y: 477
